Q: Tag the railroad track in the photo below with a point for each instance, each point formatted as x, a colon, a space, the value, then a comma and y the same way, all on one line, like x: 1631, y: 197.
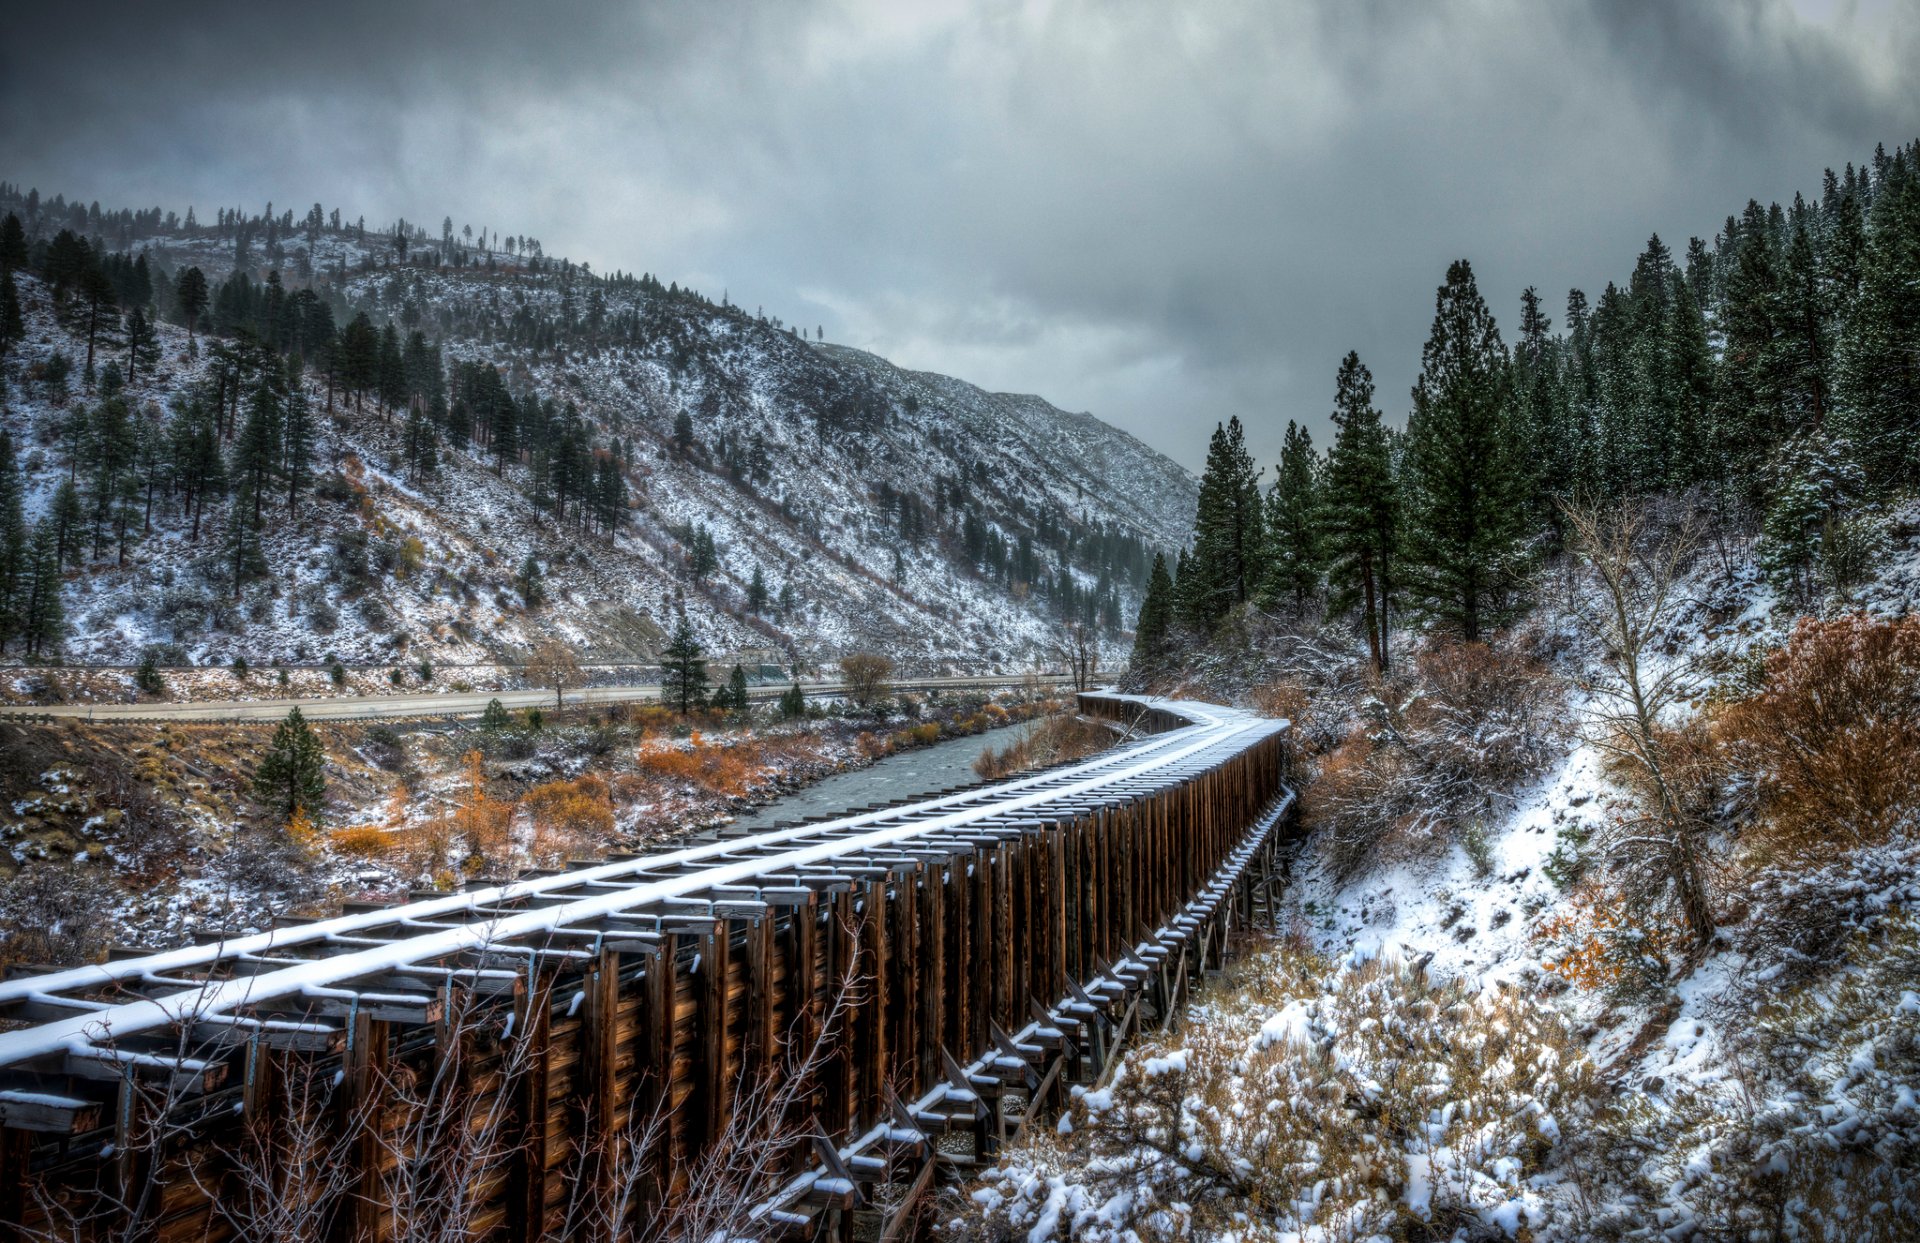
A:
x: 953, y: 965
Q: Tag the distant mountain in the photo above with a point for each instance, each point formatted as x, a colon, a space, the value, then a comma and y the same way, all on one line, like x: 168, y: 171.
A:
x: 879, y: 508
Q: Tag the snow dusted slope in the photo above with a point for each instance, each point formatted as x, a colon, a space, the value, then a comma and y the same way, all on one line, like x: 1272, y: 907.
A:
x: 805, y: 462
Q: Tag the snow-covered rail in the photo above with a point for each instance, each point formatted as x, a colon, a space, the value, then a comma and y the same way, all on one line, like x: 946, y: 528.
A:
x: 1023, y: 925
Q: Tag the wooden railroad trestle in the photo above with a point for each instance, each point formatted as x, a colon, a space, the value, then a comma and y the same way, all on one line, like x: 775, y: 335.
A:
x: 581, y: 1041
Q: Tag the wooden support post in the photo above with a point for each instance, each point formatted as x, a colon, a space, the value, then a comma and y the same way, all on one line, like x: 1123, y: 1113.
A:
x: 362, y: 1086
x: 527, y: 1179
x: 716, y: 1085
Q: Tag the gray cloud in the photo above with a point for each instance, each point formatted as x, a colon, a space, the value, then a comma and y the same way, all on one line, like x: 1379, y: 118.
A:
x: 1162, y: 213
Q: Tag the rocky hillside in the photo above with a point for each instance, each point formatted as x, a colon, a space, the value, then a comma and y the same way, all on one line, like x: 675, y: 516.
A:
x: 879, y: 508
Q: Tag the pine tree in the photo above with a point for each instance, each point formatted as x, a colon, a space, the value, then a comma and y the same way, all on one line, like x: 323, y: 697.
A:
x: 1749, y: 415
x: 390, y: 371
x: 42, y: 618
x: 291, y: 778
x: 1362, y: 508
x: 359, y: 357
x: 1228, y: 537
x: 737, y: 690
x: 257, y: 450
x: 1292, y: 522
x: 1467, y: 475
x: 420, y: 444
x: 66, y: 519
x: 1880, y: 347
x: 244, y: 558
x: 13, y: 326
x: 298, y: 437
x: 190, y: 295
x: 530, y: 584
x: 757, y: 591
x: 13, y: 244
x: 683, y: 671
x: 1804, y: 351
x: 793, y: 702
x: 496, y: 718
x: 1153, y: 628
x: 15, y: 551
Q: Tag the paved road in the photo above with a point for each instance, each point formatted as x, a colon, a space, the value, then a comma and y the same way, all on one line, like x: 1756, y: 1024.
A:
x: 450, y: 703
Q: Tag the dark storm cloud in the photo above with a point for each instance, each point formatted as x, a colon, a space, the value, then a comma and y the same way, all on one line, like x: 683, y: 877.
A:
x: 1163, y: 213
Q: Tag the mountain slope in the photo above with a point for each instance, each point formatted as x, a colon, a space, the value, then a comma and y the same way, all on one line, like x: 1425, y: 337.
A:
x: 900, y: 511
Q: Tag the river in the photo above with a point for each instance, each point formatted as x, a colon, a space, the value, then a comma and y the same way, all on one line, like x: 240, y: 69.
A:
x: 906, y: 774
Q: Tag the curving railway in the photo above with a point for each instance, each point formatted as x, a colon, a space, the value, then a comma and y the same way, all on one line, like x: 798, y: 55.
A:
x: 790, y: 1031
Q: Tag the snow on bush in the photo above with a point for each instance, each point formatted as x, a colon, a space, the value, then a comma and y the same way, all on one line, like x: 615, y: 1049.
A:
x: 1796, y: 1120
x: 1307, y: 1102
x: 1438, y: 753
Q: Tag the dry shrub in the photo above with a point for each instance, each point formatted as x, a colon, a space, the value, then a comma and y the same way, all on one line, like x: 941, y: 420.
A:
x: 1830, y: 744
x: 363, y: 841
x: 1812, y: 1137
x: 730, y: 771
x: 1054, y: 740
x: 50, y: 914
x: 1441, y: 748
x: 865, y: 675
x: 570, y: 819
x: 1597, y: 939
x: 482, y: 822
x: 1308, y: 1101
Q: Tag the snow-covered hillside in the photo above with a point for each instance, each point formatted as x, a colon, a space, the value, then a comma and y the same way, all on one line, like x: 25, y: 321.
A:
x: 882, y: 509
x: 1479, y: 1027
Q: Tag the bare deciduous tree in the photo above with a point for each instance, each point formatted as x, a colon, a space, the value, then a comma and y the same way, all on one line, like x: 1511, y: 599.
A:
x: 1077, y: 646
x: 553, y: 664
x: 865, y: 675
x: 1636, y: 566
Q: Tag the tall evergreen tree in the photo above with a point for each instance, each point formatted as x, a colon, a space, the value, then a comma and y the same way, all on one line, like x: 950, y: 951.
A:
x: 291, y: 778
x: 1749, y: 415
x: 1153, y: 628
x: 13, y: 243
x: 1293, y: 524
x: 13, y: 325
x: 143, y: 344
x: 15, y: 551
x: 42, y: 617
x: 1228, y: 530
x: 1362, y: 507
x: 1880, y: 347
x: 737, y: 700
x: 1466, y: 469
x: 683, y: 671
x: 299, y: 434
x: 190, y: 295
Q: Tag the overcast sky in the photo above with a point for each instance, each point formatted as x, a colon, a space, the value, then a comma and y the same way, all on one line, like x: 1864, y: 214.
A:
x: 1165, y: 213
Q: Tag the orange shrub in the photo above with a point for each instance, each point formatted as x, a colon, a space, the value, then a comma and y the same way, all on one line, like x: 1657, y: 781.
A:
x: 729, y: 771
x: 1831, y: 741
x: 569, y: 818
x: 363, y: 841
x: 1595, y: 941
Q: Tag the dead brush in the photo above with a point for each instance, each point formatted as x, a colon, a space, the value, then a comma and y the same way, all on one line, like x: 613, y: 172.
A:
x: 1306, y: 1100
x: 1829, y: 745
x: 1054, y: 739
x: 728, y: 770
x: 569, y: 819
x: 1439, y: 747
